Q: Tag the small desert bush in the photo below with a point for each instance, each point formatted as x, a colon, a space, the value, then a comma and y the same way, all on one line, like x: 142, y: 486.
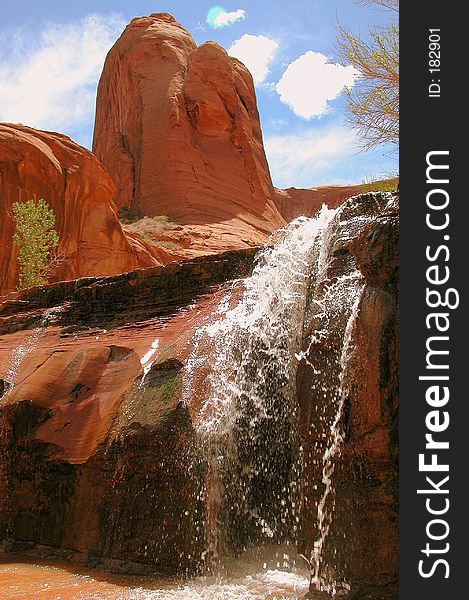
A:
x: 158, y: 243
x: 146, y: 238
x: 36, y: 240
x: 166, y: 244
x: 380, y: 185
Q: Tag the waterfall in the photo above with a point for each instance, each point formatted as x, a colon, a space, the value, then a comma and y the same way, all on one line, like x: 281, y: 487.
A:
x: 242, y: 375
x: 331, y: 355
x: 247, y: 420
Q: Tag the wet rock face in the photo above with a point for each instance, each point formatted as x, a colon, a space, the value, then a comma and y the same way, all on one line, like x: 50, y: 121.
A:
x: 135, y: 504
x: 36, y: 164
x: 98, y: 463
x: 132, y: 297
x: 178, y: 130
x: 362, y: 545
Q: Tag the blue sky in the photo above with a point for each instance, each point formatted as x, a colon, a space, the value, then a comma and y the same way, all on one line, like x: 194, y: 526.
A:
x: 51, y: 56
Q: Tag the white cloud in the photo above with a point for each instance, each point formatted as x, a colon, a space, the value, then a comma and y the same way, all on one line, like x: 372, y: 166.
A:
x: 224, y: 19
x: 310, y: 81
x: 310, y: 157
x: 256, y: 52
x: 52, y: 84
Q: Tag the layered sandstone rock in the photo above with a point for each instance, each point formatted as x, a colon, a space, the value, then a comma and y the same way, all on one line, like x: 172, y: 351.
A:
x: 38, y: 164
x: 98, y: 453
x: 97, y: 456
x: 178, y: 130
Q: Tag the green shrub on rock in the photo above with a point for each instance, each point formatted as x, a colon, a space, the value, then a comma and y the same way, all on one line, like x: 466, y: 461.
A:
x: 36, y: 238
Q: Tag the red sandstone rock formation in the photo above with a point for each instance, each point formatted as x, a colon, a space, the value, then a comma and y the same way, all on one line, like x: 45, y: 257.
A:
x: 96, y: 464
x: 38, y: 164
x: 98, y: 467
x: 178, y: 130
x: 294, y: 202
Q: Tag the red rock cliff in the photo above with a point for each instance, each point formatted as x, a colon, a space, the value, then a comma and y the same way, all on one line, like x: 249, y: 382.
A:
x: 361, y: 546
x: 38, y: 164
x: 177, y: 128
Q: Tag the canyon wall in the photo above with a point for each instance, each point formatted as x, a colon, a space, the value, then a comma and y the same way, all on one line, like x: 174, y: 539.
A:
x: 100, y: 461
x: 177, y: 137
x: 38, y: 164
x: 293, y: 202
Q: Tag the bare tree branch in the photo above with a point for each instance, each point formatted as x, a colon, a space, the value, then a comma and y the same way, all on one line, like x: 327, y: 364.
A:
x: 373, y: 102
x: 388, y: 4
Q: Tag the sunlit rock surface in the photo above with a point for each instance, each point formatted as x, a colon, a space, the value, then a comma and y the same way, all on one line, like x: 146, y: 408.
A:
x: 178, y: 130
x: 293, y: 202
x: 38, y: 164
x: 101, y: 456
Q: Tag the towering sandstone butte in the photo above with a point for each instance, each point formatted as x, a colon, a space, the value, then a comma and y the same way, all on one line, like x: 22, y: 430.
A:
x: 178, y: 129
x: 38, y: 164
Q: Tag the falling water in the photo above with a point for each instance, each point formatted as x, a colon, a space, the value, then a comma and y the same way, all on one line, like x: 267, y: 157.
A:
x: 21, y: 352
x: 335, y: 297
x: 240, y: 382
x: 148, y: 359
x: 346, y: 291
x: 247, y: 421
